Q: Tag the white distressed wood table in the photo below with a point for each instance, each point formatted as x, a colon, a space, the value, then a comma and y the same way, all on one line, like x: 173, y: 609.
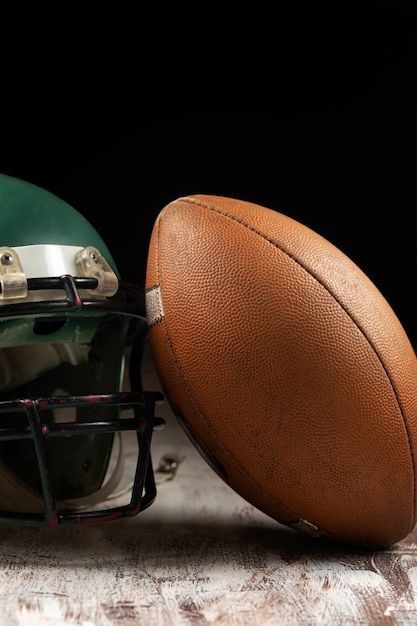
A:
x: 199, y: 555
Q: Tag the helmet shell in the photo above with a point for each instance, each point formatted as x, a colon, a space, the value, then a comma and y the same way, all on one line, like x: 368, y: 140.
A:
x: 30, y: 215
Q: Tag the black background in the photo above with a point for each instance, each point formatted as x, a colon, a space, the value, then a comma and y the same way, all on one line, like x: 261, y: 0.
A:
x: 309, y: 110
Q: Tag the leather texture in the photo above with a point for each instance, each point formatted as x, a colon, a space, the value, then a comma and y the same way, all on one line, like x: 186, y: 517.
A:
x: 286, y: 366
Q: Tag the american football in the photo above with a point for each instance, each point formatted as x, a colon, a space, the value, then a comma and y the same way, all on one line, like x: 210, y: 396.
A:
x: 287, y: 367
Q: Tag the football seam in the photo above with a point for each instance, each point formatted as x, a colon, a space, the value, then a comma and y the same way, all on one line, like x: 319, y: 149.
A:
x: 203, y: 416
x: 200, y: 412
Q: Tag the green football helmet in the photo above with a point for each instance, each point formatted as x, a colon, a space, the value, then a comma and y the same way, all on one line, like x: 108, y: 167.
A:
x: 68, y: 325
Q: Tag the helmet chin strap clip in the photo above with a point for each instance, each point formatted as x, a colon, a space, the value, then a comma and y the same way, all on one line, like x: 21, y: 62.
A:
x: 13, y: 283
x: 91, y: 264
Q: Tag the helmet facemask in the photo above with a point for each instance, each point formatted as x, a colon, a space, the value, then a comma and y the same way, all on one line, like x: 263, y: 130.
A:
x: 61, y: 407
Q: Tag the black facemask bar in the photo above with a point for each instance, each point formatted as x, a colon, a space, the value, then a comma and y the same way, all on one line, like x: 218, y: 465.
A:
x: 143, y: 490
x: 72, y: 301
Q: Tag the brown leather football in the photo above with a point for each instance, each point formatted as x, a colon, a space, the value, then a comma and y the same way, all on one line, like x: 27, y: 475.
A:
x: 287, y: 368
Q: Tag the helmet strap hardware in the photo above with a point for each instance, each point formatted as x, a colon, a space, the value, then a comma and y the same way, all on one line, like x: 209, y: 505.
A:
x: 91, y: 264
x: 13, y: 283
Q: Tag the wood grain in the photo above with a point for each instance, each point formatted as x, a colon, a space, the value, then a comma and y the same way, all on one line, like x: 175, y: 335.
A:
x: 199, y: 555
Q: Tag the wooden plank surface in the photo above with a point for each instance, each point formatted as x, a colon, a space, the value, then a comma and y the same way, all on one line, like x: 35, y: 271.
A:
x: 199, y: 555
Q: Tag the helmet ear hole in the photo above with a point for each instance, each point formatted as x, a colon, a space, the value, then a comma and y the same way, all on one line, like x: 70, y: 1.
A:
x: 48, y: 326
